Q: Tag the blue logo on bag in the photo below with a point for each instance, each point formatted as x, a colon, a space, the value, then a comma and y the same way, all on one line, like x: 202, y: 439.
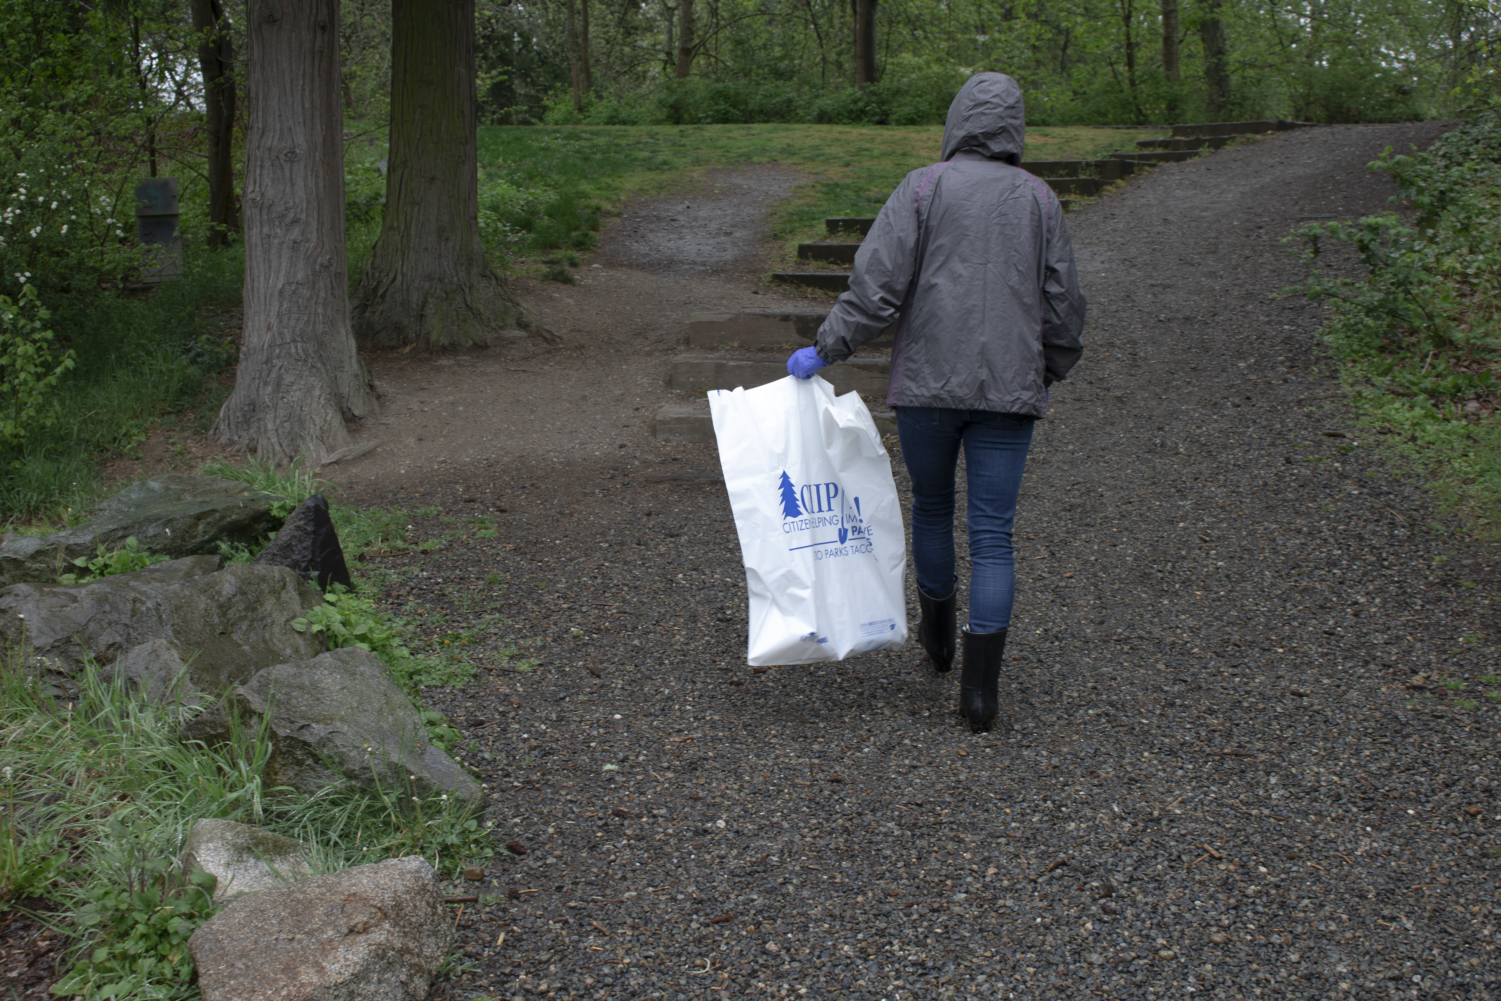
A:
x: 823, y: 509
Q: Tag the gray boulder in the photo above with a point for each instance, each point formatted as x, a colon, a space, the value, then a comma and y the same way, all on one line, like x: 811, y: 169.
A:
x: 338, y: 719
x: 225, y: 624
x: 244, y: 859
x: 155, y: 672
x: 371, y: 933
x: 171, y: 515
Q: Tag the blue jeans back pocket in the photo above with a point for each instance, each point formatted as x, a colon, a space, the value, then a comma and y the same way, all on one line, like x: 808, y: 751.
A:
x: 1007, y: 422
x: 920, y: 418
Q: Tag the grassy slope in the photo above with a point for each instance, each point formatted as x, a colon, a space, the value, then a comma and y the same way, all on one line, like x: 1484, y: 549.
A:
x: 852, y: 169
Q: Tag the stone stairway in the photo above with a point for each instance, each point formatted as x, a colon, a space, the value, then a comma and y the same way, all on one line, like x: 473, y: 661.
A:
x: 723, y: 346
x: 1068, y: 178
x: 723, y: 354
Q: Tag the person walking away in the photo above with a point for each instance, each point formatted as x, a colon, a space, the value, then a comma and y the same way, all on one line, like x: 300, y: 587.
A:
x: 971, y: 257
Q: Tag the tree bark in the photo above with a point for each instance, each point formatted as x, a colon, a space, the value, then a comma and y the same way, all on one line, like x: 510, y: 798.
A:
x: 216, y: 59
x: 586, y: 76
x: 865, y: 43
x: 1128, y: 18
x: 1216, y: 72
x: 1170, y: 40
x: 428, y: 282
x: 685, y: 39
x: 573, y: 59
x: 300, y: 377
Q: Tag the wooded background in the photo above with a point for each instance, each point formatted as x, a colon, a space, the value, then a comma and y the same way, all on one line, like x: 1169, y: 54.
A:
x: 94, y: 97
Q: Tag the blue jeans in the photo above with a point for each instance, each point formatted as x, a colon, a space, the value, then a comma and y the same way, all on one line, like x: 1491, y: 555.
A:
x: 995, y: 453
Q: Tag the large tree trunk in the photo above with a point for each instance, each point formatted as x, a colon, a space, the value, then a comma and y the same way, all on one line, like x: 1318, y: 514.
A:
x: 685, y: 39
x: 1216, y: 70
x: 427, y: 282
x: 1170, y: 40
x: 216, y: 59
x: 300, y: 377
x: 865, y: 43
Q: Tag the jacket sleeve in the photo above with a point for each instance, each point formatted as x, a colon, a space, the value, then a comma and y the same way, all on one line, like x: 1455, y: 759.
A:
x: 1063, y: 303
x: 883, y: 270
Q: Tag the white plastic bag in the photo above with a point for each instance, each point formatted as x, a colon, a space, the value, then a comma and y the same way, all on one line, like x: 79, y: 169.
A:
x: 819, y: 522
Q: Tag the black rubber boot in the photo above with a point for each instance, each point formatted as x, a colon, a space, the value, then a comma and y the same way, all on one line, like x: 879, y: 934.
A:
x: 935, y: 630
x: 979, y: 678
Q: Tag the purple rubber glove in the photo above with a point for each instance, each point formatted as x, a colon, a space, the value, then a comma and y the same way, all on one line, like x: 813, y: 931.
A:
x: 804, y: 362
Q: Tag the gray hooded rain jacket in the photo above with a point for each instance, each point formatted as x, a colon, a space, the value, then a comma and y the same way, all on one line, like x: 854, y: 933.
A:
x: 972, y: 258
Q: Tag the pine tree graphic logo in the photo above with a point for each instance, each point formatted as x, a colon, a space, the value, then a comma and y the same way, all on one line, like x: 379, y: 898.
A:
x: 790, y: 507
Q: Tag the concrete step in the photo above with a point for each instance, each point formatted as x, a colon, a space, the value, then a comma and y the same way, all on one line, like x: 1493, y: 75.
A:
x: 690, y: 424
x: 1086, y: 187
x: 761, y: 330
x: 833, y: 253
x: 847, y: 225
x: 1236, y: 128
x: 708, y: 330
x: 828, y: 281
x: 1159, y: 156
x: 1105, y: 170
x: 699, y: 371
x: 1194, y: 142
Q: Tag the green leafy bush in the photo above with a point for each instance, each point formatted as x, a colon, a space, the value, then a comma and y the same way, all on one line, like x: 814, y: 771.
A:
x: 138, y: 932
x: 348, y: 618
x: 1419, y: 335
x: 126, y: 559
x: 29, y: 367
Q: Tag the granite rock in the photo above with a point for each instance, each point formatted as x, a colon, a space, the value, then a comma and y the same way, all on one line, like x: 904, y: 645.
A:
x: 244, y: 859
x: 338, y: 719
x: 371, y: 933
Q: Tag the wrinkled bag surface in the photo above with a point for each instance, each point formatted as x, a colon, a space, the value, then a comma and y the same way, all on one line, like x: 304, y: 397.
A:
x: 819, y: 522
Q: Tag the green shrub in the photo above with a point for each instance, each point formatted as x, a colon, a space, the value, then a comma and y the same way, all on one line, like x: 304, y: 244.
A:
x: 1419, y: 336
x: 139, y: 927
x: 349, y: 619
x: 1353, y: 91
x: 29, y: 368
x: 126, y: 559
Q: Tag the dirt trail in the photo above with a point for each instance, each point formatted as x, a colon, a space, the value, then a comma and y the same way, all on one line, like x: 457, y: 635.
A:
x: 599, y: 387
x: 1211, y: 780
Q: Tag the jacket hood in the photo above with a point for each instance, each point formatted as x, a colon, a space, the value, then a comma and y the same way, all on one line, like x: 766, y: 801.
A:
x: 986, y: 116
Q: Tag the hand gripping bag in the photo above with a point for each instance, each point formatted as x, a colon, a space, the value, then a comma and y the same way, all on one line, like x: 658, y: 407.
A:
x: 818, y: 518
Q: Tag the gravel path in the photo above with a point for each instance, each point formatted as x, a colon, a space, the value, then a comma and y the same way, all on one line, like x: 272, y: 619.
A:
x: 1231, y: 767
